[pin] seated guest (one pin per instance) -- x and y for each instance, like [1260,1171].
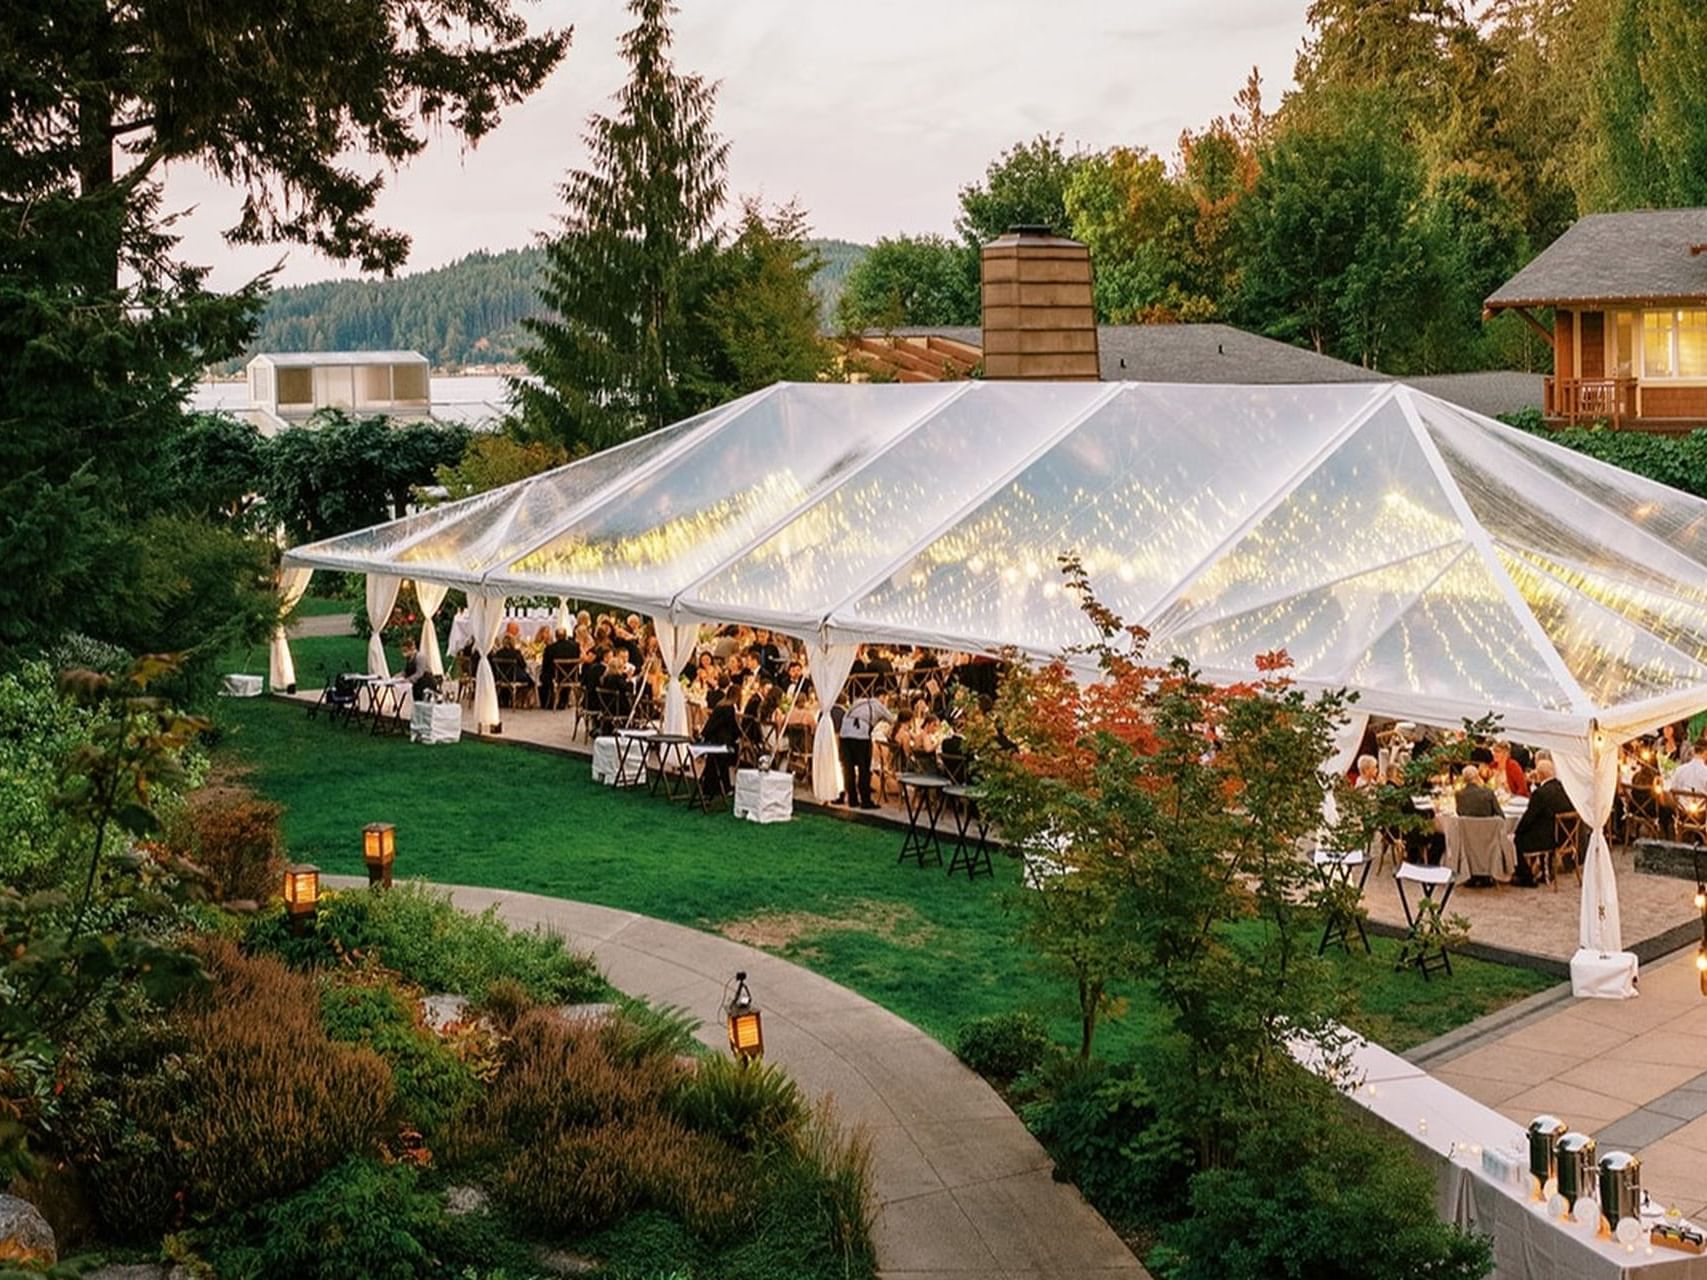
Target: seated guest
[1691,775]
[591,674]
[904,735]
[1508,770]
[724,730]
[618,685]
[510,670]
[799,683]
[561,649]
[770,654]
[1474,799]
[1368,773]
[1535,829]
[415,671]
[1424,842]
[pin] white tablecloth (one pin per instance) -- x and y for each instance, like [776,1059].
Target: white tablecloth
[235,686]
[530,622]
[764,795]
[435,722]
[606,759]
[1435,1118]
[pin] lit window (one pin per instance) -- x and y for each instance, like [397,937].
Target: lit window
[1692,344]
[1624,344]
[1656,344]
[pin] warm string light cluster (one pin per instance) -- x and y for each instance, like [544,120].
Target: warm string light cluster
[1608,655]
[1678,617]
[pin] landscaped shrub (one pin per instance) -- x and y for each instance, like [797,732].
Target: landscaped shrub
[1109,1135]
[1313,1195]
[237,1097]
[432,1085]
[584,1134]
[416,931]
[359,1219]
[1003,1046]
[744,1104]
[233,836]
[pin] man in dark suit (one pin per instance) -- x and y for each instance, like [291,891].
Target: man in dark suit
[1474,799]
[1535,829]
[770,654]
[561,649]
[723,729]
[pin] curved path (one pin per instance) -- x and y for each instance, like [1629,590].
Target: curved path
[963,1191]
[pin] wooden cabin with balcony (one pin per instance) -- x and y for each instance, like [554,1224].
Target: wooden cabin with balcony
[1628,297]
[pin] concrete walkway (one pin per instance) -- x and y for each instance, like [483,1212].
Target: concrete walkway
[963,1191]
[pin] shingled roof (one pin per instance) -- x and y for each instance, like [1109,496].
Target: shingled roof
[1212,353]
[1651,255]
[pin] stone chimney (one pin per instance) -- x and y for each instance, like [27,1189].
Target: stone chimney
[1039,319]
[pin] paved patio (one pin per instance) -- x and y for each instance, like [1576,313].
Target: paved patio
[964,1192]
[1633,1073]
[1541,924]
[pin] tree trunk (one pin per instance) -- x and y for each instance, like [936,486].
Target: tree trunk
[95,179]
[1090,998]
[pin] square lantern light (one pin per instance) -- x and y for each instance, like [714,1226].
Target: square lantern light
[746,1032]
[301,896]
[379,850]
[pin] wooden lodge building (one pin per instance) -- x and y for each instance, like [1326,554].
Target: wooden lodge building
[1628,293]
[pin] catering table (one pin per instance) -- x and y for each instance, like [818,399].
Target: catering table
[1450,1132]
[608,770]
[764,795]
[385,697]
[436,722]
[239,686]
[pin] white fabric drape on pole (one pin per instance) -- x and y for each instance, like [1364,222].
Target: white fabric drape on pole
[382,591]
[673,643]
[1590,778]
[281,667]
[829,668]
[431,595]
[1347,738]
[486,617]
[564,621]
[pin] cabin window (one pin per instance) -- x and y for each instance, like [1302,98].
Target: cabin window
[296,386]
[409,381]
[1692,344]
[376,383]
[1623,344]
[1656,344]
[1674,344]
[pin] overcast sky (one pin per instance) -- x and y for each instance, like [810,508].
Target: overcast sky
[872,114]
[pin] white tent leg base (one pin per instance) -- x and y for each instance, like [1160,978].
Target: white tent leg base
[1598,975]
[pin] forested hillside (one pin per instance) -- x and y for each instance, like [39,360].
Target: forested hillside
[465,313]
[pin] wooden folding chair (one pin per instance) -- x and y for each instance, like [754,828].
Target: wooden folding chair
[1689,817]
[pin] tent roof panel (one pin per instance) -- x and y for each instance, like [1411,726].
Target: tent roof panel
[1139,491]
[1372,501]
[803,570]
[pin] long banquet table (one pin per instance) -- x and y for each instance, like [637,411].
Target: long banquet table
[1442,1125]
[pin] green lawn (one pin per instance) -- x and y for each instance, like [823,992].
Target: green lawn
[322,606]
[824,892]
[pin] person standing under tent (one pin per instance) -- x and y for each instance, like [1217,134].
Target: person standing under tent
[863,715]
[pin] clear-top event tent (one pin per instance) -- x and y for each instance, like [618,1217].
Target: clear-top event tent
[1439,563]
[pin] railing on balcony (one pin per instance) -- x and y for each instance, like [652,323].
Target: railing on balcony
[1575,400]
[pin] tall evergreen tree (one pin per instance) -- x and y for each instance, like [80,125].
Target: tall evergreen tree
[621,352]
